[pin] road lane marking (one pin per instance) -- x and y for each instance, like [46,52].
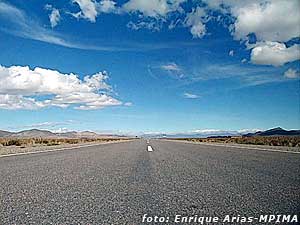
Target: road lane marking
[241,147]
[59,149]
[149,148]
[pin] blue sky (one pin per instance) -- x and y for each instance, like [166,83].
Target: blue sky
[149,66]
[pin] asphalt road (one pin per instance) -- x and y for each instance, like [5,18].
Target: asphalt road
[118,183]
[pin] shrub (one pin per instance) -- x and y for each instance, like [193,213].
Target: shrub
[289,141]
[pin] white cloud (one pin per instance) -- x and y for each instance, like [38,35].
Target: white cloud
[21,88]
[152,14]
[15,21]
[231,53]
[61,130]
[54,16]
[203,132]
[245,75]
[195,20]
[274,53]
[291,73]
[88,9]
[171,67]
[206,131]
[148,8]
[270,21]
[190,95]
[128,104]
[47,124]
[151,25]
[246,131]
[153,8]
[19,24]
[107,6]
[19,102]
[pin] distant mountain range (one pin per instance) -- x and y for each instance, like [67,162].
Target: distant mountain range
[4,133]
[191,134]
[278,131]
[48,134]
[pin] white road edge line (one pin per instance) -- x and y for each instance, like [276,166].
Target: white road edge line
[232,146]
[58,149]
[149,148]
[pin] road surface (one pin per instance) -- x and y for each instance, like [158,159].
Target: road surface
[118,183]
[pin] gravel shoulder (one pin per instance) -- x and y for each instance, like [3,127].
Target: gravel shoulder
[14,150]
[244,146]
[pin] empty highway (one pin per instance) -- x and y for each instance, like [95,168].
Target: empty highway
[118,183]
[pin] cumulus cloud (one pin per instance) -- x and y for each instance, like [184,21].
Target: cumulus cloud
[157,10]
[272,23]
[21,88]
[274,53]
[268,20]
[291,73]
[271,20]
[148,8]
[19,102]
[106,6]
[190,95]
[90,9]
[54,16]
[153,8]
[195,20]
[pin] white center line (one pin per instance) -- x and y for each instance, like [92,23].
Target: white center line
[150,149]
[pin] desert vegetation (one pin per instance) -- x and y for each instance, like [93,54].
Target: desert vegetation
[288,141]
[31,142]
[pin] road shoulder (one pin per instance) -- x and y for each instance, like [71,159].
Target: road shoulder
[44,149]
[283,149]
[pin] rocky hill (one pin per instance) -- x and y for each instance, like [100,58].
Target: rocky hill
[278,131]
